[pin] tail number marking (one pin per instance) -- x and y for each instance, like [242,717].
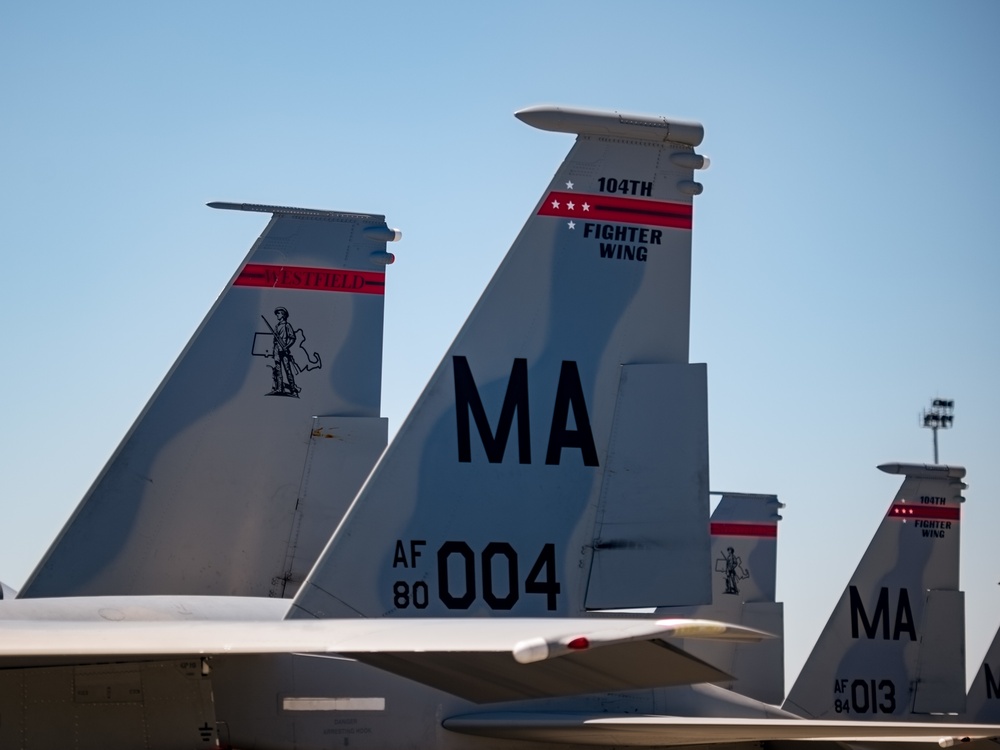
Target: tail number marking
[864,696]
[459,586]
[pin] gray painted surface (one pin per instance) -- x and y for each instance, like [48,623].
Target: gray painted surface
[201,495]
[895,642]
[504,514]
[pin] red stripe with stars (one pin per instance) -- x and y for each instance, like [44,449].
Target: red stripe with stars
[925,512]
[613,208]
[312,279]
[769,530]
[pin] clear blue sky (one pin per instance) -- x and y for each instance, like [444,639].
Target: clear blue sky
[846,263]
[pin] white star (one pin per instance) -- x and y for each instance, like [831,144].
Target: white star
[586,206]
[569,185]
[555,204]
[570,205]
[572,225]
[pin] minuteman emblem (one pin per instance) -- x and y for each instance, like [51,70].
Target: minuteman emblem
[286,346]
[731,567]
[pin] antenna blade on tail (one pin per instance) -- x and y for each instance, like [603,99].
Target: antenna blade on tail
[210,490]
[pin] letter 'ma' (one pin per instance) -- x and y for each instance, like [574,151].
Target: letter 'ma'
[515,400]
[903,619]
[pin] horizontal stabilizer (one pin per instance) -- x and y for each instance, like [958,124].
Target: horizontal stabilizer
[481,660]
[74,609]
[665,731]
[490,677]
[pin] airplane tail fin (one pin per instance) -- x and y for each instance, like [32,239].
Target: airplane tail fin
[983,700]
[557,460]
[237,470]
[895,643]
[744,530]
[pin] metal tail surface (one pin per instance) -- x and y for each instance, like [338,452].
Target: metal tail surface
[895,643]
[744,531]
[557,460]
[239,467]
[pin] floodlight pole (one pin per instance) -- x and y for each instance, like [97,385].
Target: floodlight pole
[941,415]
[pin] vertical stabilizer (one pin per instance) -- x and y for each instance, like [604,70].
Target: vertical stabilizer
[895,643]
[983,702]
[214,489]
[744,530]
[563,438]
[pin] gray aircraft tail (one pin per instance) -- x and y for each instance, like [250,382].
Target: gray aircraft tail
[238,469]
[983,700]
[557,460]
[744,530]
[895,643]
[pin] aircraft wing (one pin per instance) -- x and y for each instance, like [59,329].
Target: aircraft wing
[666,731]
[483,660]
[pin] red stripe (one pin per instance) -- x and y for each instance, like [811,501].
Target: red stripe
[927,512]
[617,209]
[313,279]
[745,529]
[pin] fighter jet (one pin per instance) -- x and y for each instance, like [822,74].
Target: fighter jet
[560,447]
